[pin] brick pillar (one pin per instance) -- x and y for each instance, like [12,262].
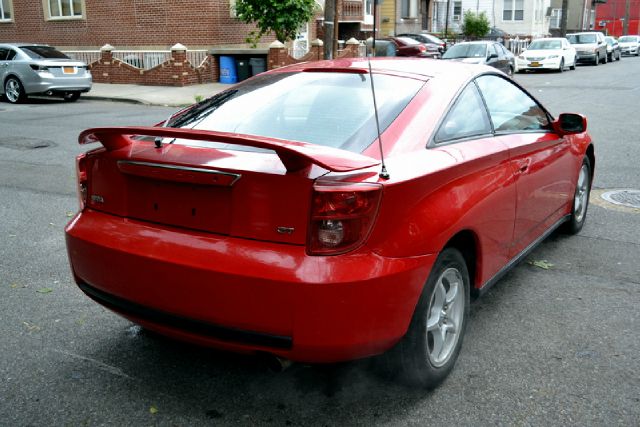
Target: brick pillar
[105,64]
[352,48]
[179,69]
[317,47]
[214,60]
[277,55]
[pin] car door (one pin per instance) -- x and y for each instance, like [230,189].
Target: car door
[482,185]
[539,158]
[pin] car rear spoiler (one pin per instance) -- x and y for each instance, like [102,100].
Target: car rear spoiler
[294,155]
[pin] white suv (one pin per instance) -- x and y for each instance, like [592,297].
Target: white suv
[590,47]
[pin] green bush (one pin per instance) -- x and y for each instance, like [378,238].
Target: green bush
[475,26]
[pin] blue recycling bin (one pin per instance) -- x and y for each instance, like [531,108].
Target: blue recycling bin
[228,72]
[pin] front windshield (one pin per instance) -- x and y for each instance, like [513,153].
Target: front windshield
[43,52]
[609,41]
[545,44]
[581,38]
[330,109]
[466,50]
[627,39]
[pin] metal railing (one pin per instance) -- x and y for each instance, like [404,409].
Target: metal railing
[145,60]
[197,57]
[86,56]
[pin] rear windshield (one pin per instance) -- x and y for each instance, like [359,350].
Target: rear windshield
[330,109]
[581,38]
[43,52]
[466,50]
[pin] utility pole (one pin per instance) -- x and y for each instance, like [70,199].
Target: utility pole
[563,18]
[446,20]
[336,27]
[625,24]
[329,23]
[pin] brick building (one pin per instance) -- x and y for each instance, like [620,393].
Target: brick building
[125,24]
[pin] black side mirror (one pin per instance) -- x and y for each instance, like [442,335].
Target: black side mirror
[492,56]
[570,123]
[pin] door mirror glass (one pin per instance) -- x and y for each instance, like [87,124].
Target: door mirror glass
[570,123]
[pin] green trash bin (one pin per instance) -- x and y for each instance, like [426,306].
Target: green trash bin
[258,65]
[242,67]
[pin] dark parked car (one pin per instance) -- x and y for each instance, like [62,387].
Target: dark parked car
[428,39]
[483,52]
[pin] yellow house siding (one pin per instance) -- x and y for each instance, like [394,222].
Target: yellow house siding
[387,18]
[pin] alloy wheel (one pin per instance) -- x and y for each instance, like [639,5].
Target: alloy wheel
[13,90]
[582,192]
[445,316]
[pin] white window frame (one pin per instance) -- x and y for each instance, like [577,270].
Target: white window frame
[4,11]
[512,10]
[457,17]
[411,7]
[555,20]
[50,17]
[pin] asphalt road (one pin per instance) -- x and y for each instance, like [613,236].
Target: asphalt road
[551,346]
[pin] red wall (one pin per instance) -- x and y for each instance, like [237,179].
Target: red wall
[612,11]
[130,23]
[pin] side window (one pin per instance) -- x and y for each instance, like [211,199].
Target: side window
[3,53]
[511,109]
[10,54]
[466,118]
[494,50]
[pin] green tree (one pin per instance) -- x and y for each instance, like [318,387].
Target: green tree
[475,26]
[283,17]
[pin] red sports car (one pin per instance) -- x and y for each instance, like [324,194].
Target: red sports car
[274,218]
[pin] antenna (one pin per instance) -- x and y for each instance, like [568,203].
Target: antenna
[383,172]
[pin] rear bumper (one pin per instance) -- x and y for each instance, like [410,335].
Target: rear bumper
[59,84]
[243,295]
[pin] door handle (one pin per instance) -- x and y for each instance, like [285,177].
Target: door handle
[523,165]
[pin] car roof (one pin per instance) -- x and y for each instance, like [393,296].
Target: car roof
[19,44]
[549,38]
[419,68]
[478,42]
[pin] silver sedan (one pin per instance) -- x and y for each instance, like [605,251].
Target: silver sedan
[28,69]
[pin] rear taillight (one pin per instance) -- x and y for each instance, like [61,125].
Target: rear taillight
[342,216]
[81,171]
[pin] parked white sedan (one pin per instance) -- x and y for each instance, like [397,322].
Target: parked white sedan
[550,54]
[630,45]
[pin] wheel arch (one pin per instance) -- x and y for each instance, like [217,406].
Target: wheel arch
[590,153]
[467,242]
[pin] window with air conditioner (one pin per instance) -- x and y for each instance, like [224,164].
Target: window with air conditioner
[457,10]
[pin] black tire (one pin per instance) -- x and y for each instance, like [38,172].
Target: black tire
[619,57]
[573,67]
[71,96]
[637,51]
[597,61]
[510,71]
[580,200]
[604,58]
[414,359]
[14,91]
[610,57]
[561,67]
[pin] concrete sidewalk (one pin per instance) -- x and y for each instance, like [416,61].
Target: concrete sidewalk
[154,95]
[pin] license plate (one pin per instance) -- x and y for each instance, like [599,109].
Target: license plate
[535,64]
[69,70]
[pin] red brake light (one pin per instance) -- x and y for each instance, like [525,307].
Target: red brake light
[342,216]
[81,171]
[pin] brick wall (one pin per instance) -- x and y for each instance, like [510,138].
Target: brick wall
[129,24]
[177,71]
